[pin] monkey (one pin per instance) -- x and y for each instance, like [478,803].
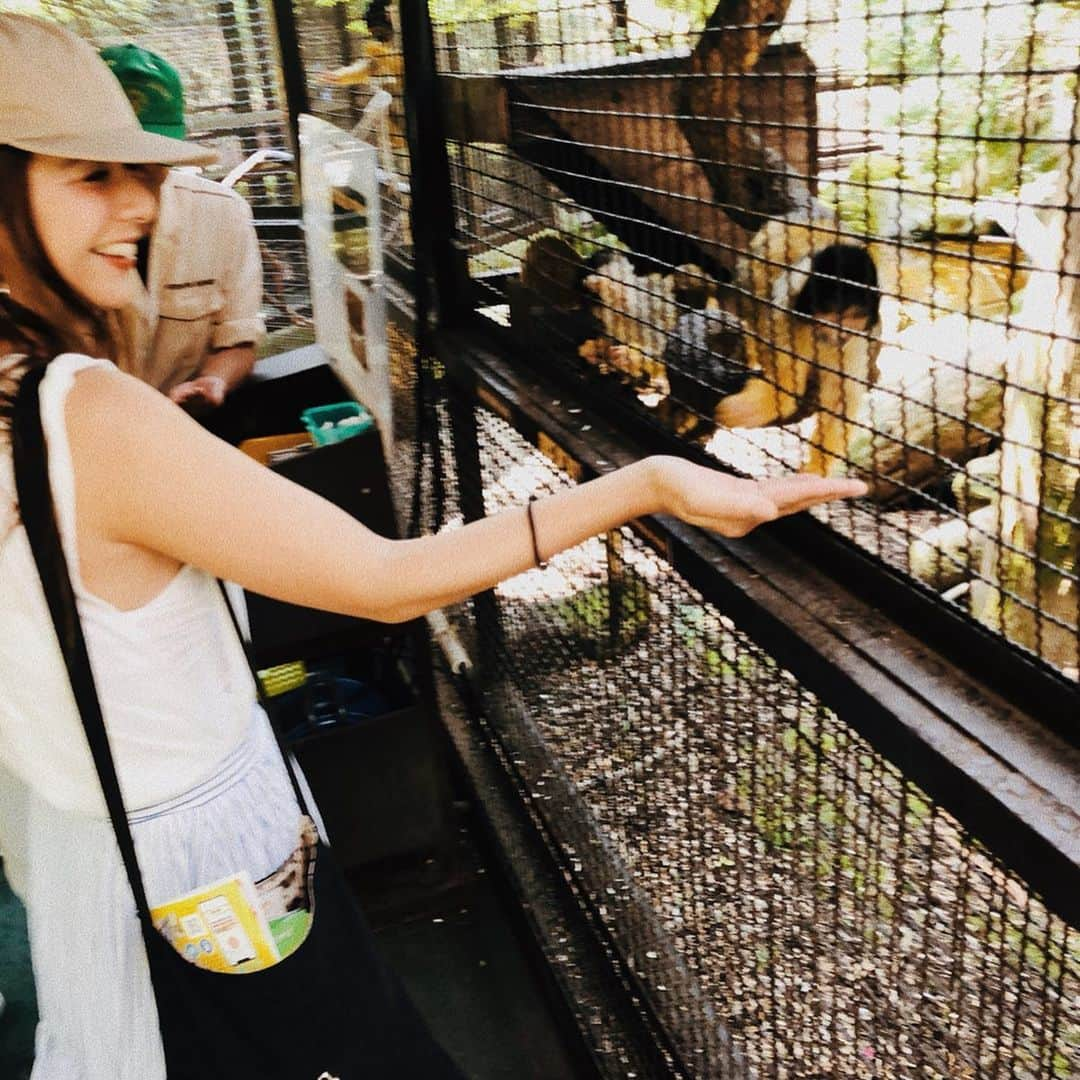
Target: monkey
[636,313]
[704,360]
[811,314]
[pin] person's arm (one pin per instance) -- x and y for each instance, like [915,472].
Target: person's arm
[149,475]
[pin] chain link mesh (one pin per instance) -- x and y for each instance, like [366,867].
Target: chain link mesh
[780,897]
[753,866]
[668,177]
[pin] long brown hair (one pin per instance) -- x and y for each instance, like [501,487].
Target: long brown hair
[54,319]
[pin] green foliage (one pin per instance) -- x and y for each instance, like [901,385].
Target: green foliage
[905,45]
[864,198]
[503,257]
[588,615]
[979,106]
[591,237]
[96,18]
[355,10]
[697,10]
[450,13]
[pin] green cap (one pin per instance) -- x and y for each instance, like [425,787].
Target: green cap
[153,87]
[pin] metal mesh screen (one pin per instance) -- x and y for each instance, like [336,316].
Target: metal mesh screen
[777,897]
[837,237]
[354,69]
[226,54]
[757,867]
[286,297]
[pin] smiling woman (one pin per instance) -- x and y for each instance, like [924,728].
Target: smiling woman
[51,316]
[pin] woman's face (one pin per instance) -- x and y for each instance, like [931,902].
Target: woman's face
[89,216]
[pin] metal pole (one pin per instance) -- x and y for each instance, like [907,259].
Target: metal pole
[432,206]
[292,68]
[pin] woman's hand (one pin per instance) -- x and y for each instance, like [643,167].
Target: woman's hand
[732,506]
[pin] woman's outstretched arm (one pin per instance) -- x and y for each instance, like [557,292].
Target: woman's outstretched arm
[149,476]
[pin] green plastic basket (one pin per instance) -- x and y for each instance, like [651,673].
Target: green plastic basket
[334,423]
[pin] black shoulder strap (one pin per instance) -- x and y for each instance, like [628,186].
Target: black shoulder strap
[38,515]
[265,702]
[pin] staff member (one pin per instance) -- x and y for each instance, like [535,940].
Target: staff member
[195,323]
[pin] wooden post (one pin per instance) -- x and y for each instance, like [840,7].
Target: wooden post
[621,23]
[752,182]
[504,44]
[1026,588]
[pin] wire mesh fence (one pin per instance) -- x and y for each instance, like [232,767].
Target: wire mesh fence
[354,70]
[227,58]
[786,902]
[831,237]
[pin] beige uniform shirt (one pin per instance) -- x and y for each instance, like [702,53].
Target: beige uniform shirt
[204,283]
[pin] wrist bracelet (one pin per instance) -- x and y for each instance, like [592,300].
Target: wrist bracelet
[532,532]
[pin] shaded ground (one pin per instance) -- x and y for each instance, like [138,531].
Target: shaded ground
[756,859]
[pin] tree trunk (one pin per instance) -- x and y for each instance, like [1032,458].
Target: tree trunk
[750,181]
[1028,589]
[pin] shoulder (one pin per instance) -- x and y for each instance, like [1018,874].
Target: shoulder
[100,422]
[62,372]
[186,194]
[118,427]
[101,383]
[106,407]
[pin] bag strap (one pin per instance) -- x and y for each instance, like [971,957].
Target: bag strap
[38,515]
[265,702]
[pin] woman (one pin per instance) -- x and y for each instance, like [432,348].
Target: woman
[150,509]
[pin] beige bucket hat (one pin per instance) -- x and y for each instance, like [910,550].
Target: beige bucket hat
[58,97]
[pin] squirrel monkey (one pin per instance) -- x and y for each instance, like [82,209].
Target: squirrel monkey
[809,343]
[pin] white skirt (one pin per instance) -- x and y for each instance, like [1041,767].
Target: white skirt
[98,1019]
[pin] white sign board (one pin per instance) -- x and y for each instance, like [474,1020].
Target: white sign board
[339,178]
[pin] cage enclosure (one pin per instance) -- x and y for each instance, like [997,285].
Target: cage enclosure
[803,805]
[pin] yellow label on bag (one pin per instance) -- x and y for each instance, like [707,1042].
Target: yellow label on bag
[220,927]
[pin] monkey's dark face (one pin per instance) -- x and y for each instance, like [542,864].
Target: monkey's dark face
[842,279]
[835,328]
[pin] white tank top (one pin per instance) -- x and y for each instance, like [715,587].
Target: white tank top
[175,689]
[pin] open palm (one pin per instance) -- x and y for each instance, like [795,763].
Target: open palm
[732,506]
